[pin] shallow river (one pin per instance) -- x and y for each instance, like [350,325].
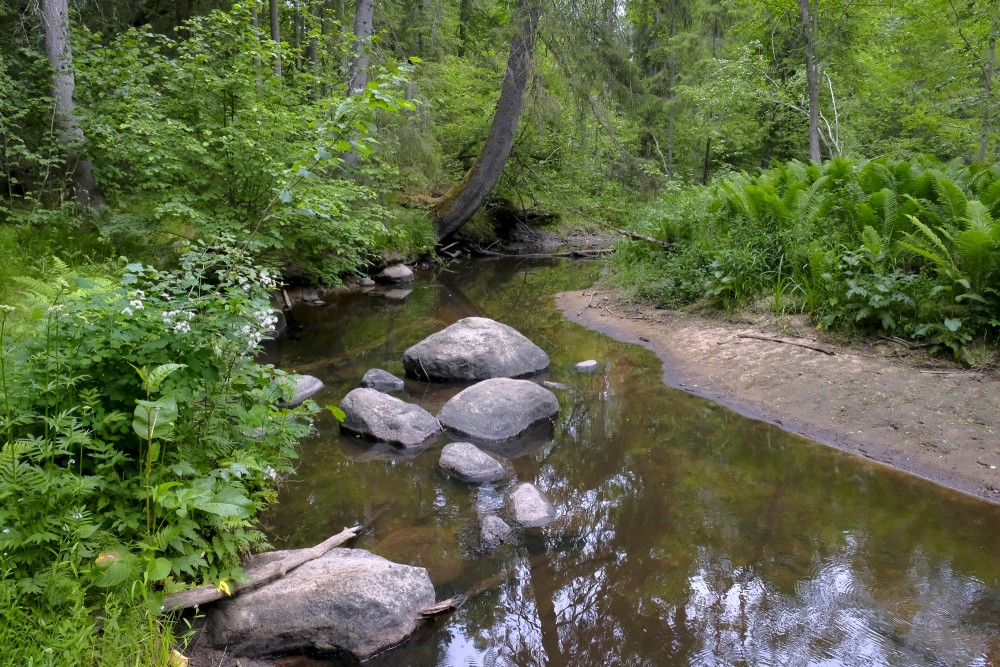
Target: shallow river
[688,535]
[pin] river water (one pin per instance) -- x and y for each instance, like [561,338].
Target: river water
[688,535]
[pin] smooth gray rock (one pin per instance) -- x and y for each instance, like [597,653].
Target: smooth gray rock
[493,532]
[382,381]
[587,366]
[366,282]
[372,414]
[470,464]
[347,600]
[472,349]
[397,274]
[305,386]
[499,409]
[529,506]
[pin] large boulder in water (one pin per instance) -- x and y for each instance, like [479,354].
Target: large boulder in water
[498,410]
[346,600]
[473,349]
[377,416]
[468,463]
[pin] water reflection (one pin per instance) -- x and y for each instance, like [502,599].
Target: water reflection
[687,535]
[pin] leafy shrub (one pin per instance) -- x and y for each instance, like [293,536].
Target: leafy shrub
[908,248]
[136,411]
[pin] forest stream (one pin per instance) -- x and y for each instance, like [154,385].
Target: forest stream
[687,534]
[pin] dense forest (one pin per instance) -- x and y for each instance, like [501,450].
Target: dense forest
[836,158]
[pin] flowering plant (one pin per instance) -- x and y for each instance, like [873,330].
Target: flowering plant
[139,419]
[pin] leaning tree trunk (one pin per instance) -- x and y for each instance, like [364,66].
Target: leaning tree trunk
[812,82]
[55,21]
[460,203]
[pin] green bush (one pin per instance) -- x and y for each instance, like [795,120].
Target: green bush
[140,438]
[907,248]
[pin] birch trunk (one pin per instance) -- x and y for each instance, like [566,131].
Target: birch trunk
[55,22]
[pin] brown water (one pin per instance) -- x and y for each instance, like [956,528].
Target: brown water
[688,535]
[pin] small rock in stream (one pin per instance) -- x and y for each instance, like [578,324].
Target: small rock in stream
[529,506]
[382,381]
[587,366]
[305,386]
[397,274]
[468,463]
[493,532]
[558,386]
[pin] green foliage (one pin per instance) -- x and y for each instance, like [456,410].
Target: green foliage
[905,248]
[136,410]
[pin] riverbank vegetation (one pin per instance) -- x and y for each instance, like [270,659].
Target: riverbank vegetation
[908,249]
[832,159]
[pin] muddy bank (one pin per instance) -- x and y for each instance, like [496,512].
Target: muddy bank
[882,401]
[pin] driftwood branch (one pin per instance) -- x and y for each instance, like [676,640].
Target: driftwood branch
[789,342]
[259,576]
[579,254]
[642,237]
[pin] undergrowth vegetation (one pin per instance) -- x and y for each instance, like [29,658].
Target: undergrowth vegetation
[909,249]
[140,439]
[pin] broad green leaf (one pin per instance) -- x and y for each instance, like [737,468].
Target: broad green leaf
[158,569]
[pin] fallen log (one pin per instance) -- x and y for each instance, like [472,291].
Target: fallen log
[258,576]
[647,239]
[578,254]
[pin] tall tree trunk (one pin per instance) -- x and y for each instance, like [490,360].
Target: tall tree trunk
[984,133]
[255,23]
[55,22]
[464,9]
[276,36]
[460,203]
[297,34]
[671,78]
[812,82]
[357,77]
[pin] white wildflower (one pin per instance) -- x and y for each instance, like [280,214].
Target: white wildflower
[266,280]
[182,327]
[6,530]
[126,311]
[72,461]
[4,308]
[271,472]
[137,304]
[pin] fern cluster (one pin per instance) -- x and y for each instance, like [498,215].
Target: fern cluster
[910,248]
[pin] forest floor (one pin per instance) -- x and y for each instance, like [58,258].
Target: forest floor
[883,399]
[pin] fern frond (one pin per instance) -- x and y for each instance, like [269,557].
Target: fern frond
[951,199]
